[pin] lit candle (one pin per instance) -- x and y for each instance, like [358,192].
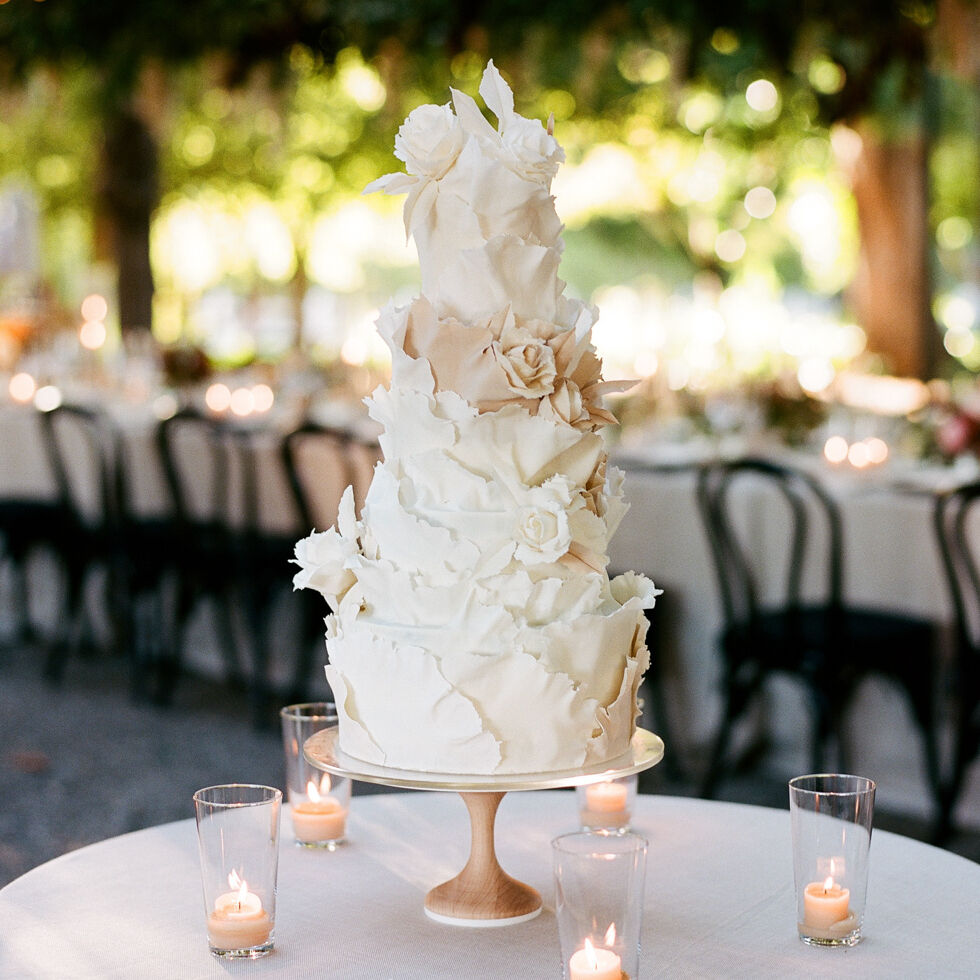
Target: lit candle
[319,818]
[606,805]
[592,963]
[606,797]
[238,920]
[826,910]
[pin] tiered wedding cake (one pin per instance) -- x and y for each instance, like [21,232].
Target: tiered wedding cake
[474,627]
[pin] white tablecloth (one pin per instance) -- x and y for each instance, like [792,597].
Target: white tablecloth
[719,901]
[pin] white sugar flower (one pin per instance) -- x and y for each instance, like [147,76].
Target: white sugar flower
[533,152]
[632,585]
[322,558]
[429,141]
[543,533]
[529,149]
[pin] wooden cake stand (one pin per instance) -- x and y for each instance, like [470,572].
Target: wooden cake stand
[482,894]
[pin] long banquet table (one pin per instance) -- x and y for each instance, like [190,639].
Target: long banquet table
[719,901]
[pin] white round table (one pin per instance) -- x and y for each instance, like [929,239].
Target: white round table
[719,901]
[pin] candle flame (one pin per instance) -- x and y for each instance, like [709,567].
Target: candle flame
[610,937]
[238,884]
[325,784]
[828,883]
[312,792]
[590,955]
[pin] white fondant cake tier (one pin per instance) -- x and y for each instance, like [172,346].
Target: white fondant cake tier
[473,627]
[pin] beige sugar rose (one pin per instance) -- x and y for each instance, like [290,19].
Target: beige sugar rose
[529,367]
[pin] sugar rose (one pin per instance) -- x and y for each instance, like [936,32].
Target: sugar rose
[429,141]
[530,368]
[543,533]
[533,152]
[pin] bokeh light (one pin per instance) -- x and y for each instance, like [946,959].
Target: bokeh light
[94,307]
[762,95]
[47,398]
[760,202]
[835,449]
[22,387]
[92,334]
[218,397]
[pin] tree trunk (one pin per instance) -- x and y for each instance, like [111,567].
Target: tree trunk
[891,292]
[129,193]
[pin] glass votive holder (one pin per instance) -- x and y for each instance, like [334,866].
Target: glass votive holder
[607,805]
[831,817]
[599,882]
[238,837]
[318,801]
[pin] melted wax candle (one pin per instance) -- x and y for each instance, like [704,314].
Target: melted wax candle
[827,911]
[594,963]
[238,920]
[318,818]
[606,805]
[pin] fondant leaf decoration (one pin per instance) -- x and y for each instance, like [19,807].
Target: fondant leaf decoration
[497,95]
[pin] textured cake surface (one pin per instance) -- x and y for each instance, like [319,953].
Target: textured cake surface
[474,628]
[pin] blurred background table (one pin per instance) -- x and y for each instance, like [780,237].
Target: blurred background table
[891,562]
[719,900]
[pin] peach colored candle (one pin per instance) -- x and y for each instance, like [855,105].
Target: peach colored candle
[238,920]
[606,797]
[320,818]
[592,963]
[826,910]
[606,805]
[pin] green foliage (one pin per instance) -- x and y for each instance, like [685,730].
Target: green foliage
[721,38]
[261,106]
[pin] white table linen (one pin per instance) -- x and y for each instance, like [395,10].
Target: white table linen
[719,901]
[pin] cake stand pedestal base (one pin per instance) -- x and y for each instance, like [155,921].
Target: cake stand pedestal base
[482,894]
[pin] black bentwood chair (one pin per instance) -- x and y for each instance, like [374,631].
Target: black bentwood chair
[30,525]
[800,625]
[80,447]
[958,529]
[318,463]
[196,459]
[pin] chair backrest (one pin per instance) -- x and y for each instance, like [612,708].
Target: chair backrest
[737,497]
[318,465]
[81,450]
[196,460]
[957,522]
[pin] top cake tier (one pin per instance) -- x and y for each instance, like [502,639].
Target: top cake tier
[480,207]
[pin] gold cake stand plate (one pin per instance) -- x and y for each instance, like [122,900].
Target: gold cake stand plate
[482,894]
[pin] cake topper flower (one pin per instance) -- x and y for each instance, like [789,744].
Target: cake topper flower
[429,141]
[524,145]
[432,140]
